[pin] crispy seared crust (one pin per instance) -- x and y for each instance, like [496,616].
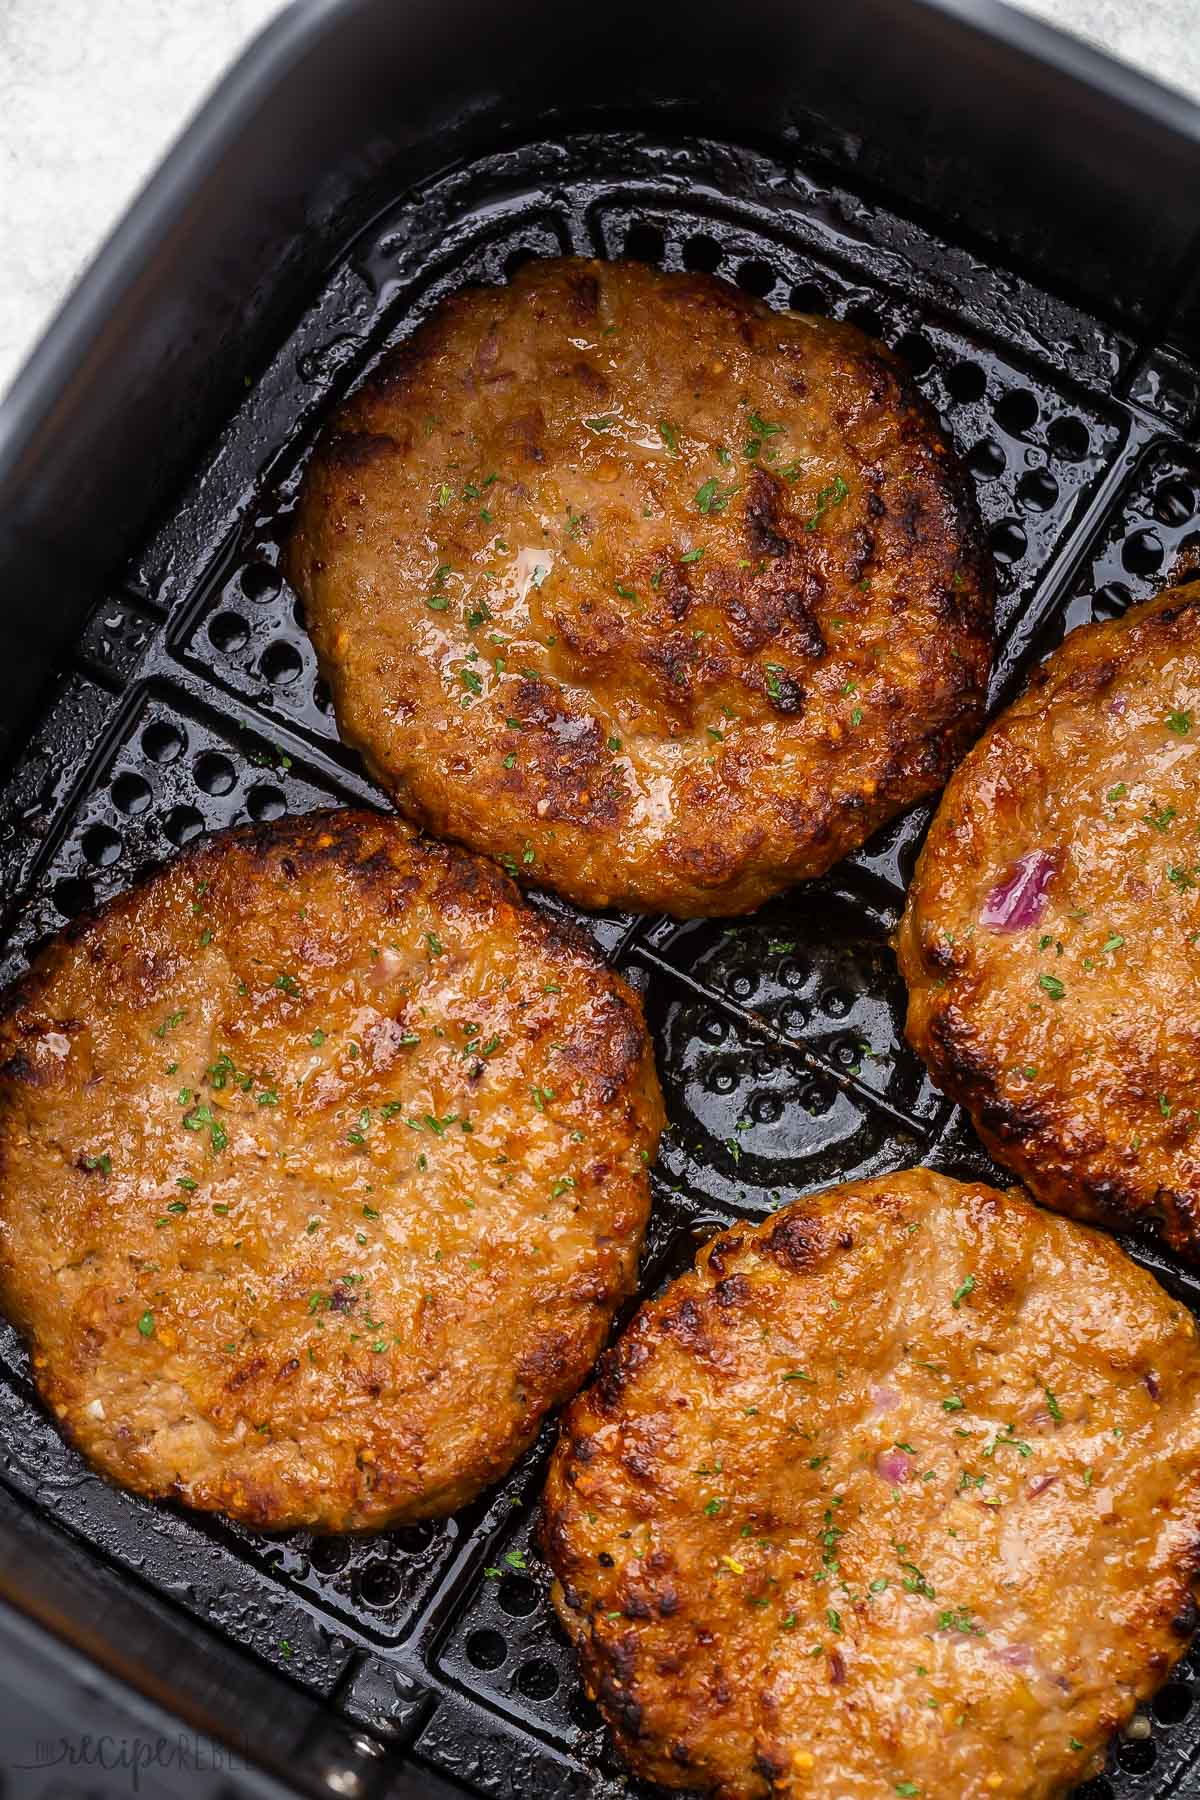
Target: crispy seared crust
[1093,1095]
[895,1492]
[497,546]
[322,1168]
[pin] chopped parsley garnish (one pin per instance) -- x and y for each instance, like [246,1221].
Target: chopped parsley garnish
[830,496]
[287,984]
[601,424]
[961,1292]
[436,947]
[170,1022]
[711,497]
[1114,943]
[470,681]
[1056,1412]
[102,1163]
[669,437]
[760,430]
[692,556]
[959,1619]
[440,1127]
[1050,984]
[914,1580]
[1160,817]
[1117,793]
[1007,1438]
[516,1559]
[1179,722]
[201,1116]
[146,1324]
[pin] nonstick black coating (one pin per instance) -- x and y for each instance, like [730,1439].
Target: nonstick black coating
[193,703]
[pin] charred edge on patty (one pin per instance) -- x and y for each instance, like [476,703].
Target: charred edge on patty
[1024,1133]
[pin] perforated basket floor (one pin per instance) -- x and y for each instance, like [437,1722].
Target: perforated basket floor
[193,703]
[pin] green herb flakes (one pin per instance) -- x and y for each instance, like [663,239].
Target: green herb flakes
[712,498]
[830,496]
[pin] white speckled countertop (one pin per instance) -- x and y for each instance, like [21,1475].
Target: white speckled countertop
[92,92]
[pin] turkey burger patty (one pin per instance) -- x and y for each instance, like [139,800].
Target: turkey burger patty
[662,597]
[1051,941]
[322,1169]
[897,1492]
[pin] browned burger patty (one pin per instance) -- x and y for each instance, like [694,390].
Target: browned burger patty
[322,1168]
[1051,941]
[663,597]
[897,1492]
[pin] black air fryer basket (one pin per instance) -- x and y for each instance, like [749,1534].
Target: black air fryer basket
[1020,219]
